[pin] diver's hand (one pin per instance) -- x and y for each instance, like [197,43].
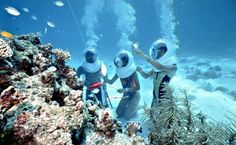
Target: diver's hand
[105,80]
[139,69]
[137,50]
[121,90]
[103,77]
[135,45]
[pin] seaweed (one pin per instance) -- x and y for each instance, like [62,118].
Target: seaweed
[173,122]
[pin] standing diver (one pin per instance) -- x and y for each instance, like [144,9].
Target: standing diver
[163,61]
[126,71]
[91,68]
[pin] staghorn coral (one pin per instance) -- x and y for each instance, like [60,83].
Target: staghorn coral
[61,55]
[5,49]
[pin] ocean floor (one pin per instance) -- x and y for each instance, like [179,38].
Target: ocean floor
[208,81]
[41,101]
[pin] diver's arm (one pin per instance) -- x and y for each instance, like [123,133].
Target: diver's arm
[144,74]
[156,64]
[112,80]
[166,68]
[79,71]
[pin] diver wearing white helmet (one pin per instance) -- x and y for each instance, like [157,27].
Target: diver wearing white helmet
[91,69]
[126,71]
[163,61]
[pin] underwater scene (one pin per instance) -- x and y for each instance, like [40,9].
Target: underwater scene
[117,72]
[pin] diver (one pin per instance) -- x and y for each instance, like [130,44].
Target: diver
[91,68]
[126,71]
[163,61]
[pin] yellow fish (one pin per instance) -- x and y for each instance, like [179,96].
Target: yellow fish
[7,34]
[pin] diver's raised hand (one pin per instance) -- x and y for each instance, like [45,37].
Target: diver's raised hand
[138,51]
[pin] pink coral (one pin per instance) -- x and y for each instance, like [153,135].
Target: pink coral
[10,97]
[80,106]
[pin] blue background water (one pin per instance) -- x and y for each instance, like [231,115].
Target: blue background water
[206,27]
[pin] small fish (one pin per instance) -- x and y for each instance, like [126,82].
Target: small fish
[45,31]
[25,10]
[51,24]
[13,11]
[33,17]
[7,34]
[59,3]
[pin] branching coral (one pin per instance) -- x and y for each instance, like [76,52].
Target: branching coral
[61,55]
[5,49]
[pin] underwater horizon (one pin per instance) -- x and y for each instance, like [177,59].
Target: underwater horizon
[42,44]
[205,28]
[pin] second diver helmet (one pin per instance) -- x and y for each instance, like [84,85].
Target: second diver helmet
[125,65]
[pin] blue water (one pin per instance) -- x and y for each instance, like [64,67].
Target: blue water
[205,28]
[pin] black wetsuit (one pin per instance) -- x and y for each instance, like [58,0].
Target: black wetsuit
[161,91]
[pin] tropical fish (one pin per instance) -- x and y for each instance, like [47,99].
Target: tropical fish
[25,10]
[59,3]
[34,17]
[7,34]
[51,24]
[13,11]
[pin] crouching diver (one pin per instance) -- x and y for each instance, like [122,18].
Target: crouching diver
[91,68]
[163,61]
[126,71]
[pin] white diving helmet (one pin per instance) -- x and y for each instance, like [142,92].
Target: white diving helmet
[91,63]
[169,58]
[125,65]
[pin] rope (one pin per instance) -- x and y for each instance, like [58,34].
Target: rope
[76,21]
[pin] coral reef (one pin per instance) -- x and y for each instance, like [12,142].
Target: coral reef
[41,99]
[5,49]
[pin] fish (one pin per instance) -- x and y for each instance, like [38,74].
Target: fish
[7,34]
[33,17]
[51,24]
[12,11]
[25,10]
[59,3]
[45,31]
